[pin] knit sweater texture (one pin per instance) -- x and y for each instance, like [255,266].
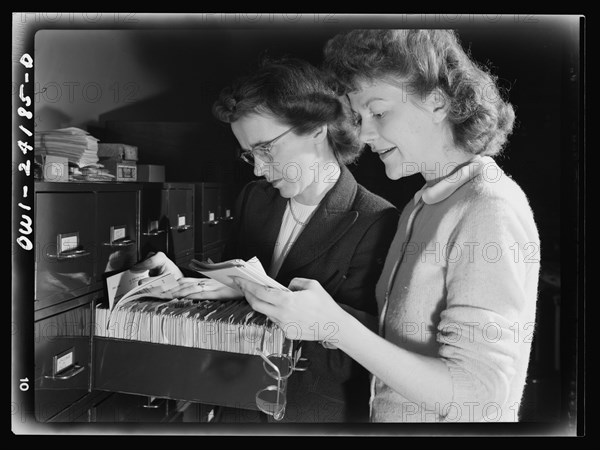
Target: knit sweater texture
[465,291]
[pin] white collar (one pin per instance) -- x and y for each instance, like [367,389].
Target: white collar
[447,186]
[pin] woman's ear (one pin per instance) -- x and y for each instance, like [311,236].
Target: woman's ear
[437,104]
[320,134]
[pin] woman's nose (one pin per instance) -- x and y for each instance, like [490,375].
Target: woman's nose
[367,134]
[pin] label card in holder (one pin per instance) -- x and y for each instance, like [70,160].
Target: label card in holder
[117,232]
[63,360]
[153,226]
[211,216]
[67,242]
[227,213]
[180,220]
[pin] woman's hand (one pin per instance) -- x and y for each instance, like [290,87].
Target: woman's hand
[204,289]
[158,264]
[307,313]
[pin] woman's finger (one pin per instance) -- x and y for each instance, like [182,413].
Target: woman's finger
[263,307]
[192,280]
[208,295]
[214,285]
[186,285]
[259,291]
[301,284]
[184,291]
[192,286]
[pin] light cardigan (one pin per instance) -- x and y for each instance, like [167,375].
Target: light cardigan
[465,291]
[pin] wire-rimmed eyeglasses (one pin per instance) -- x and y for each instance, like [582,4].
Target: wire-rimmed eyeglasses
[272,399]
[263,151]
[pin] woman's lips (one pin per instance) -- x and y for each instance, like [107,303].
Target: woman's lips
[383,154]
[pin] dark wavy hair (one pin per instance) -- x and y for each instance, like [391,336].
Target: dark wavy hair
[425,60]
[296,94]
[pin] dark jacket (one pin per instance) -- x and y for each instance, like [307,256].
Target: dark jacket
[343,246]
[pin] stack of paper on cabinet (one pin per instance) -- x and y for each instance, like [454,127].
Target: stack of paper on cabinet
[75,144]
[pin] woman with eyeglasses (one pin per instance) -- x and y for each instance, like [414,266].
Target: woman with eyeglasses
[307,218]
[457,295]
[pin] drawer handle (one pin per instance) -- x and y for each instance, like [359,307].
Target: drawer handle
[120,243]
[72,254]
[230,218]
[68,374]
[151,405]
[211,222]
[182,228]
[298,368]
[153,233]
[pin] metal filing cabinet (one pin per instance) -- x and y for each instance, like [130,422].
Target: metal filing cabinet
[107,227]
[226,204]
[116,230]
[178,208]
[133,408]
[82,231]
[177,372]
[214,217]
[62,345]
[65,241]
[154,226]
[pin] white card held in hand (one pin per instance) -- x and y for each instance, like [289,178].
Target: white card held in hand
[224,271]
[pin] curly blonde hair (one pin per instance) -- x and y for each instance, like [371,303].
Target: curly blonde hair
[425,60]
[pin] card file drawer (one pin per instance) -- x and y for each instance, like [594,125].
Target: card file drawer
[132,408]
[214,218]
[209,214]
[178,373]
[178,207]
[62,360]
[154,224]
[82,231]
[64,233]
[116,230]
[211,352]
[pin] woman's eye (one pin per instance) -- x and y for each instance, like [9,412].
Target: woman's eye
[378,115]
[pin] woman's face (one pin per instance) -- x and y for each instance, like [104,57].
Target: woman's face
[398,127]
[292,171]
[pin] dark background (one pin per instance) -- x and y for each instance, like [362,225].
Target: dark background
[534,67]
[538,66]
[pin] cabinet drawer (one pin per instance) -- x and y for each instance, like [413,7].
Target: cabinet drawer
[210,202]
[184,259]
[62,360]
[210,215]
[179,373]
[61,219]
[211,233]
[133,408]
[116,231]
[226,203]
[180,214]
[154,224]
[215,254]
